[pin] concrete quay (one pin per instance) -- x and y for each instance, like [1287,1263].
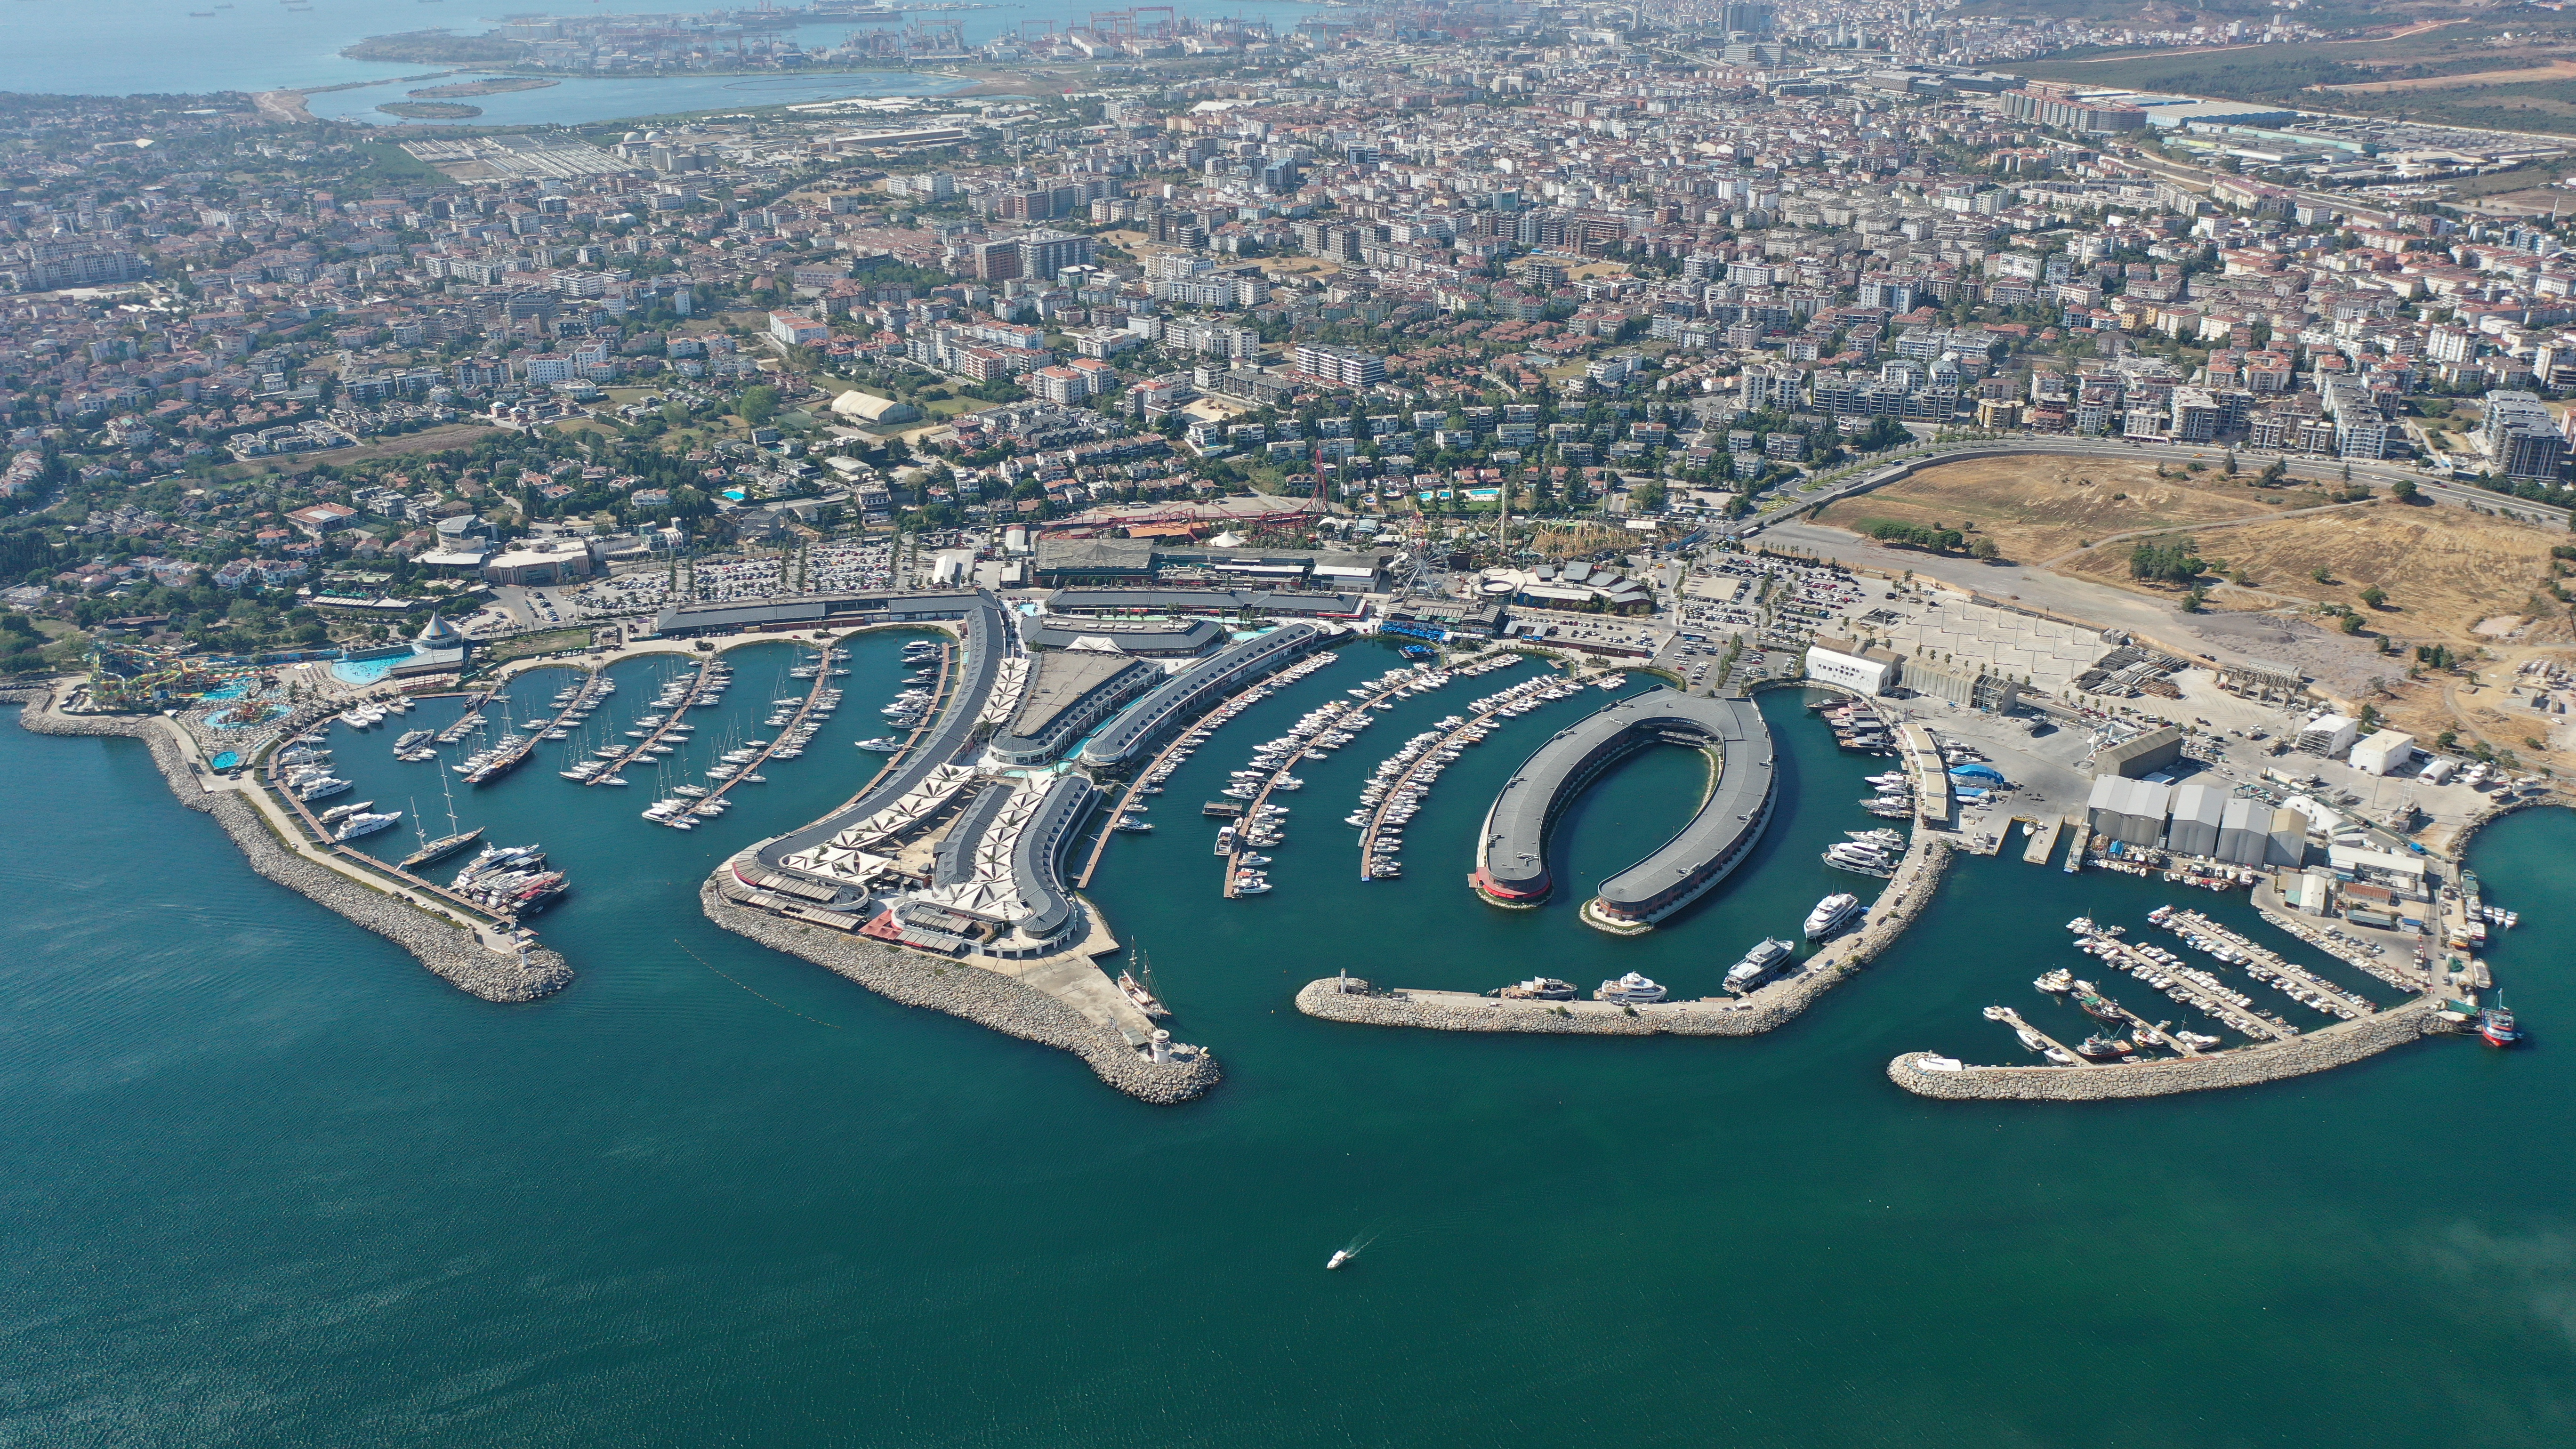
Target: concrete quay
[1762,1009]
[455,953]
[2315,1051]
[986,997]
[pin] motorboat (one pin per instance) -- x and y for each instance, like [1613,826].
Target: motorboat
[1339,1257]
[1759,964]
[1630,990]
[1831,915]
[363,823]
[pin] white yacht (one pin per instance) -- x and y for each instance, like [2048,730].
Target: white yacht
[1832,914]
[363,823]
[1630,990]
[1758,964]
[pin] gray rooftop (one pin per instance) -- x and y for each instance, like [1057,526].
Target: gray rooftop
[1513,851]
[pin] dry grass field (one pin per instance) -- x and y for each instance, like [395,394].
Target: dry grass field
[2038,508]
[2444,570]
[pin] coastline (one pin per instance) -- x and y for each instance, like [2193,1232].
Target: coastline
[2245,1066]
[1764,1009]
[450,952]
[961,989]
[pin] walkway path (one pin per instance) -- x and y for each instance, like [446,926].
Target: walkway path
[677,713]
[813,697]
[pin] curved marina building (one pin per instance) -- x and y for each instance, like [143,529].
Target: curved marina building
[1186,695]
[1511,857]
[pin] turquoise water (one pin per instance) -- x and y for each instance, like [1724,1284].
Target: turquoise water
[226,760]
[122,47]
[366,671]
[273,1184]
[238,689]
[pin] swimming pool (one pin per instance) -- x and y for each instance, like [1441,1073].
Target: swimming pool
[238,689]
[365,671]
[228,760]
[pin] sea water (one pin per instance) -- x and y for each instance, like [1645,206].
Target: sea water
[272,1183]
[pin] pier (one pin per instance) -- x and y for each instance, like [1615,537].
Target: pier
[1159,769]
[495,768]
[318,839]
[2013,1019]
[2205,935]
[2075,850]
[1342,717]
[2043,840]
[678,713]
[2353,953]
[1772,1004]
[2188,985]
[814,696]
[1478,723]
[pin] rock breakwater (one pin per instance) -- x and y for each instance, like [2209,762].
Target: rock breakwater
[1760,1010]
[983,997]
[2245,1066]
[451,952]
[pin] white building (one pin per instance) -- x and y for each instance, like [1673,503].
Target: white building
[1851,671]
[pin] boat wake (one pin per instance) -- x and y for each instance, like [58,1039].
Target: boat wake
[1351,1249]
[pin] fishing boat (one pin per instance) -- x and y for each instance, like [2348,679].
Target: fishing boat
[2100,1047]
[2496,1025]
[2057,982]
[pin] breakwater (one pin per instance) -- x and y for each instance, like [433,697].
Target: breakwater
[454,954]
[2246,1066]
[1765,1007]
[983,997]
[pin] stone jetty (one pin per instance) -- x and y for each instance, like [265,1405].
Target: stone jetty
[963,989]
[1336,999]
[2315,1051]
[455,954]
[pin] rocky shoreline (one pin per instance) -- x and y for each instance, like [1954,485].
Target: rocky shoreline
[986,998]
[2245,1066]
[449,951]
[1765,1009]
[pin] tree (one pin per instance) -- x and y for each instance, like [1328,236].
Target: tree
[2321,574]
[2193,599]
[2403,490]
[2172,563]
[2374,596]
[1984,548]
[758,405]
[2351,624]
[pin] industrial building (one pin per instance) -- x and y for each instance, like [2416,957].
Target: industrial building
[2384,753]
[2199,814]
[2245,833]
[2142,756]
[2327,735]
[2130,811]
[1969,688]
[1873,671]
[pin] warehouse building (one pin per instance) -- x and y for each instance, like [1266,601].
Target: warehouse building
[2199,813]
[2129,811]
[2142,756]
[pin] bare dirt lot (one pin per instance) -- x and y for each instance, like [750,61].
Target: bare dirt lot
[2444,570]
[2037,508]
